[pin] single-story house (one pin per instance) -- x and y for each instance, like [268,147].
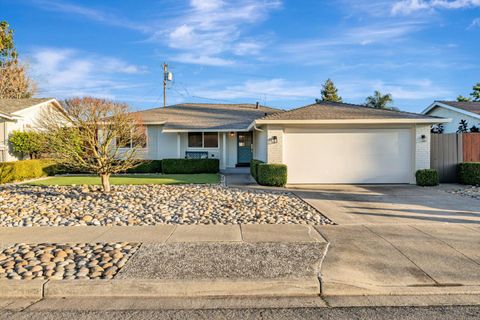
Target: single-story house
[20,114]
[469,111]
[320,143]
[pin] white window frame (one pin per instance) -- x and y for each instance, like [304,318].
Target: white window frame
[203,141]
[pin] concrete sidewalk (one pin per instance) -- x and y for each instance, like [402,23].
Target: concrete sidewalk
[401,260]
[186,261]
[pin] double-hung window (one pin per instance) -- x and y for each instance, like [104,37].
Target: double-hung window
[203,139]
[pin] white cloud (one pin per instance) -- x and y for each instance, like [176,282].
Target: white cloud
[259,89]
[211,29]
[475,24]
[410,6]
[92,14]
[67,72]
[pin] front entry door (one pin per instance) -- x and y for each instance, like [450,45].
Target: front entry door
[244,148]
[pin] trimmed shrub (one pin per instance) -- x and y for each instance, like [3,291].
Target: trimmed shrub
[188,166]
[469,173]
[147,166]
[26,169]
[426,177]
[272,174]
[254,168]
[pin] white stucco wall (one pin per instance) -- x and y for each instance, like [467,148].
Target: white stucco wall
[452,126]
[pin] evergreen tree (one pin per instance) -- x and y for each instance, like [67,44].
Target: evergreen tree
[461,98]
[476,92]
[329,92]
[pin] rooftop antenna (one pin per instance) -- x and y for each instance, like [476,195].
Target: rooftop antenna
[167,76]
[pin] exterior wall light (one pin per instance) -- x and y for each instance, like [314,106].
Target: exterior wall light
[273,139]
[232,134]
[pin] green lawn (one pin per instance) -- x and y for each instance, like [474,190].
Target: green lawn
[129,179]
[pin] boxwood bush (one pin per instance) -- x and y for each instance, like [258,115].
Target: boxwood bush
[26,169]
[427,177]
[189,166]
[274,175]
[469,173]
[254,168]
[147,166]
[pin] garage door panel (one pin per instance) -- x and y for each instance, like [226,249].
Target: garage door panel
[349,156]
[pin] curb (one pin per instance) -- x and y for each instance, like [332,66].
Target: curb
[21,288]
[291,287]
[336,289]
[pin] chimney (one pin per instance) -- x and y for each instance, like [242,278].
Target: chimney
[256,105]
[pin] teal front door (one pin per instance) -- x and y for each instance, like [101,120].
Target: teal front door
[244,148]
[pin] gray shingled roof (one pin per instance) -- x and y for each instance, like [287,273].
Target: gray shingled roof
[198,116]
[9,106]
[340,111]
[467,106]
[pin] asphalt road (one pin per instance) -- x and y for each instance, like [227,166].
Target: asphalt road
[390,313]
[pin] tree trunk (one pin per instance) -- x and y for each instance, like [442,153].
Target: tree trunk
[105,182]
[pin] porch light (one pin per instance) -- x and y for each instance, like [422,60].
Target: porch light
[232,134]
[274,139]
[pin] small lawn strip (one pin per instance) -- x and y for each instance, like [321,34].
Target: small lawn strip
[139,179]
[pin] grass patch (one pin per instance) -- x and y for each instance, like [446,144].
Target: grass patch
[202,178]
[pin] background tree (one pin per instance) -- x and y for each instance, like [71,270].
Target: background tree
[379,100]
[329,92]
[461,98]
[31,143]
[474,128]
[463,126]
[94,135]
[476,92]
[14,80]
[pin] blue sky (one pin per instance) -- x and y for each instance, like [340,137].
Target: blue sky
[277,52]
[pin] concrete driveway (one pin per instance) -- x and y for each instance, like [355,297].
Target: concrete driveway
[390,204]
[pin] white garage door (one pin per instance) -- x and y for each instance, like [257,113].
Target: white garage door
[348,155]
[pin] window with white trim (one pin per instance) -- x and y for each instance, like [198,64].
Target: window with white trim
[203,139]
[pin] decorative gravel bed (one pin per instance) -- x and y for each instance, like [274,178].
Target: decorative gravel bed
[64,261]
[471,192]
[22,205]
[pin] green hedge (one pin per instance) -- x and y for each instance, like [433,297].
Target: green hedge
[147,166]
[426,177]
[272,174]
[254,168]
[26,169]
[188,166]
[469,173]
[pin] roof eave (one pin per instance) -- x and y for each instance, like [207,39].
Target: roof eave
[205,130]
[449,107]
[354,121]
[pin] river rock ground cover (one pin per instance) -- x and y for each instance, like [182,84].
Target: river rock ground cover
[64,261]
[470,192]
[22,205]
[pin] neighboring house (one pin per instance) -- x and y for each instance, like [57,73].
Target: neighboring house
[20,114]
[320,143]
[456,111]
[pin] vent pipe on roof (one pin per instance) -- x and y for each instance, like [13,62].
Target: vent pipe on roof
[256,105]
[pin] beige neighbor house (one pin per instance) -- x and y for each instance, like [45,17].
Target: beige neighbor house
[20,114]
[320,143]
[469,111]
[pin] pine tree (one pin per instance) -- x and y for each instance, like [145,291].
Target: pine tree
[476,92]
[329,92]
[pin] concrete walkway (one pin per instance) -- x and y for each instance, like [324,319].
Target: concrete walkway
[390,204]
[401,259]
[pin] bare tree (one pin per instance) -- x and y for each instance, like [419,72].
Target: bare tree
[94,135]
[15,82]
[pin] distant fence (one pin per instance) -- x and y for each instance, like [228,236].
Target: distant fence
[448,150]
